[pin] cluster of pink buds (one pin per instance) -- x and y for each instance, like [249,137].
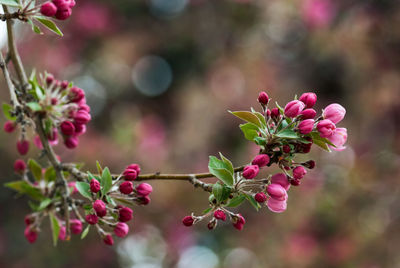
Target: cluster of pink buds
[219,214]
[60,9]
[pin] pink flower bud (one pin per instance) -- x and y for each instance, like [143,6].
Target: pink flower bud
[144,189]
[276,206]
[281,179]
[276,191]
[260,197]
[84,107]
[286,149]
[295,182]
[76,94]
[308,114]
[334,112]
[37,142]
[309,99]
[82,117]
[250,172]
[238,222]
[310,164]
[72,3]
[326,128]
[268,112]
[30,235]
[92,219]
[76,226]
[121,229]
[48,9]
[67,128]
[130,174]
[29,219]
[63,14]
[135,167]
[63,233]
[100,208]
[188,221]
[94,186]
[125,214]
[275,113]
[19,166]
[49,79]
[9,126]
[64,84]
[108,240]
[72,184]
[219,215]
[261,160]
[294,108]
[263,98]
[71,142]
[23,147]
[126,187]
[80,129]
[338,138]
[299,172]
[306,126]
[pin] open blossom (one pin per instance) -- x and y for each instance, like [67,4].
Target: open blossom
[281,179]
[338,138]
[276,205]
[276,191]
[334,112]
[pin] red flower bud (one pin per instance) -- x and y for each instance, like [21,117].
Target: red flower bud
[144,189]
[295,182]
[30,235]
[309,164]
[63,14]
[250,172]
[276,191]
[9,126]
[144,200]
[219,215]
[67,128]
[299,172]
[260,197]
[108,240]
[80,129]
[76,94]
[92,219]
[130,174]
[23,147]
[29,219]
[188,221]
[19,166]
[76,226]
[294,108]
[100,208]
[261,160]
[306,126]
[308,114]
[126,187]
[64,84]
[82,117]
[275,113]
[135,167]
[84,107]
[286,149]
[63,233]
[48,9]
[121,229]
[309,99]
[49,79]
[71,142]
[326,128]
[238,222]
[94,186]
[263,98]
[125,214]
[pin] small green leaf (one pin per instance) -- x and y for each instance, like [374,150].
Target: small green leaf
[11,3]
[35,28]
[236,201]
[84,189]
[321,142]
[34,106]
[85,232]
[99,168]
[249,130]
[217,191]
[50,174]
[23,187]
[49,24]
[260,140]
[248,117]
[55,227]
[220,170]
[253,202]
[207,210]
[227,162]
[281,110]
[7,108]
[35,168]
[287,134]
[106,181]
[43,204]
[261,118]
[110,201]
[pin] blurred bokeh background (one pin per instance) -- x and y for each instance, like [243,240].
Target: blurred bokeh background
[160,76]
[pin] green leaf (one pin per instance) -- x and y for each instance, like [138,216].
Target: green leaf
[7,108]
[84,189]
[236,201]
[35,28]
[260,140]
[23,187]
[35,168]
[110,201]
[34,106]
[248,117]
[287,134]
[321,142]
[207,210]
[99,168]
[220,170]
[253,202]
[249,130]
[49,24]
[85,232]
[43,204]
[281,110]
[50,174]
[217,191]
[11,3]
[106,181]
[55,227]
[261,118]
[227,162]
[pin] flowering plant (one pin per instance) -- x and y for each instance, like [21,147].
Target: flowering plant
[57,110]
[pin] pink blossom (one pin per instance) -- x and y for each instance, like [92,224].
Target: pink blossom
[309,99]
[326,128]
[276,191]
[338,138]
[276,205]
[294,108]
[334,112]
[281,179]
